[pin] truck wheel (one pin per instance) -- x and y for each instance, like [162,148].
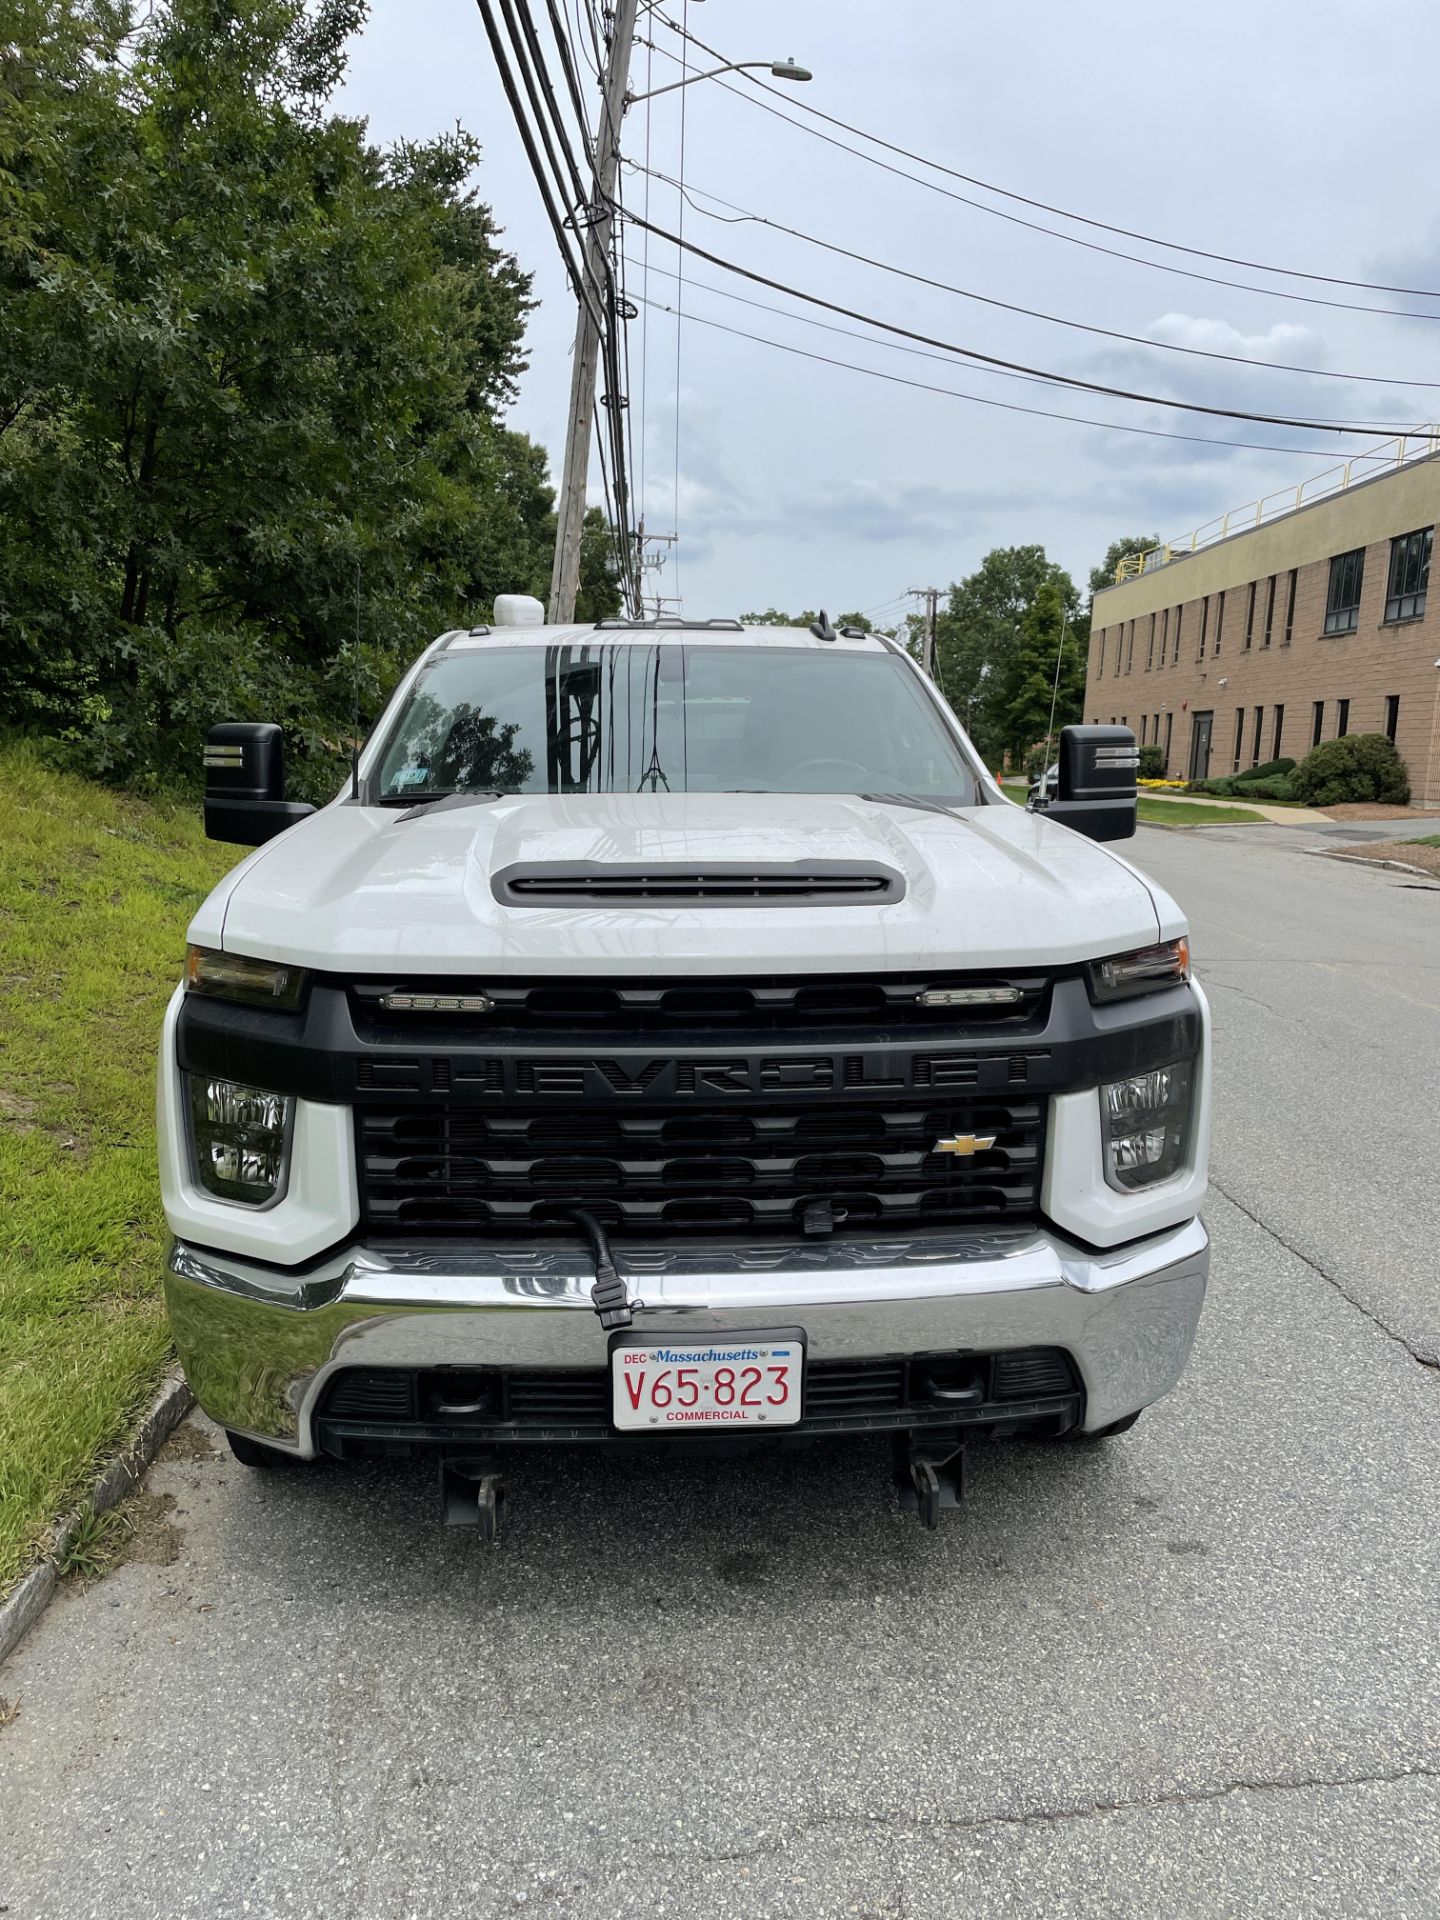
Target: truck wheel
[1109,1433]
[251,1453]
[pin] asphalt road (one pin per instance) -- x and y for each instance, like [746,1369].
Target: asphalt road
[1195,1671]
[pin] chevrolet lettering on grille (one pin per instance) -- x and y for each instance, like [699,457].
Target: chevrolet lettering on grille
[616,1078]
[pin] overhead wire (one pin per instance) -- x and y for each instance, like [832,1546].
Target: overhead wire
[1043,206]
[997,360]
[746,215]
[1036,226]
[1009,406]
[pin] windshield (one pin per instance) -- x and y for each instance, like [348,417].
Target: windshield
[670,718]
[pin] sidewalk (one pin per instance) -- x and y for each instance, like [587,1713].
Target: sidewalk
[1282,816]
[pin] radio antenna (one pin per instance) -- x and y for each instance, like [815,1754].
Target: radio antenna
[355,692]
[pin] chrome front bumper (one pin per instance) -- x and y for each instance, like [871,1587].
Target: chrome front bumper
[259,1344]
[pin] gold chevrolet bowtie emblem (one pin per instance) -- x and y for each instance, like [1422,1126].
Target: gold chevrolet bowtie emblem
[962,1145]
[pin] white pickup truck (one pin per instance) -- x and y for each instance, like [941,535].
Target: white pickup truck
[672,1037]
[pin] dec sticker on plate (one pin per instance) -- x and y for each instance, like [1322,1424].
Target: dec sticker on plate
[667,1384]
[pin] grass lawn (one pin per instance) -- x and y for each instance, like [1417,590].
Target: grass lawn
[1190,813]
[95,893]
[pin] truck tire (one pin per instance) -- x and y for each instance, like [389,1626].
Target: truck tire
[252,1453]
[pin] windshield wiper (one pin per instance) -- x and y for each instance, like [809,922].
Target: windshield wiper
[910,800]
[419,803]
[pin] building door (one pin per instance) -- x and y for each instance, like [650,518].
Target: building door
[1200,746]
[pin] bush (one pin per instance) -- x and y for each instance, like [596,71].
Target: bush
[1036,761]
[1152,764]
[1362,766]
[1278,787]
[1224,786]
[1266,771]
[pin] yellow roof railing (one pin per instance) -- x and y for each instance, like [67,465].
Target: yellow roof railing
[1419,445]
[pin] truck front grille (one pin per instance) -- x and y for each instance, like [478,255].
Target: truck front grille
[442,1170]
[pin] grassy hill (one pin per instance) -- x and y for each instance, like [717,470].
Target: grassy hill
[95,893]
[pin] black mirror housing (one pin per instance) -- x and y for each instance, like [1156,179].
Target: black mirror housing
[1097,795]
[245,800]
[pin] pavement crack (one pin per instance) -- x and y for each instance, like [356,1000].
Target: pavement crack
[770,1845]
[1424,1359]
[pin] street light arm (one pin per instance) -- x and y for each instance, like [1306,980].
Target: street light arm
[783,69]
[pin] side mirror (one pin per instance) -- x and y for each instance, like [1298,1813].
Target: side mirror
[245,784]
[1096,785]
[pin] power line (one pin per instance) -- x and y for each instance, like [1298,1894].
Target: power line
[1043,206]
[1029,313]
[1036,226]
[1014,366]
[1010,406]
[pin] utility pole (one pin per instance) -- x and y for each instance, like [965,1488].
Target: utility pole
[565,576]
[931,597]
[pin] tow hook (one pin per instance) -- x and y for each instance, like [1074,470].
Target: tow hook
[930,1472]
[472,1493]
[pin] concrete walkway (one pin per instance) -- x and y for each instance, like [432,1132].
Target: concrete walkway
[1282,816]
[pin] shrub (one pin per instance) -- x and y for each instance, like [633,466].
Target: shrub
[1277,787]
[1362,766]
[1223,785]
[1152,764]
[1036,761]
[1266,771]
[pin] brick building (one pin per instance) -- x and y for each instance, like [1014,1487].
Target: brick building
[1309,626]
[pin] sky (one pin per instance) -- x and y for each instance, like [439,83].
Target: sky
[1284,133]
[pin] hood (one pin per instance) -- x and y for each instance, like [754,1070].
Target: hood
[361,890]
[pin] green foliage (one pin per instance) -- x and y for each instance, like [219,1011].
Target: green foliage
[1362,766]
[1037,760]
[1265,771]
[1118,550]
[1276,787]
[1152,764]
[95,892]
[251,388]
[990,662]
[772,617]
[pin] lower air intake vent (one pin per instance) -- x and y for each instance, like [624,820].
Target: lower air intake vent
[594,883]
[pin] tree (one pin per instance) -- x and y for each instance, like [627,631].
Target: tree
[1118,550]
[1028,676]
[979,633]
[772,617]
[252,382]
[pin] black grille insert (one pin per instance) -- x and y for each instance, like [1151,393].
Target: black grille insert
[442,1170]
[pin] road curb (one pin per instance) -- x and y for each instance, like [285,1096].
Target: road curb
[23,1607]
[1359,860]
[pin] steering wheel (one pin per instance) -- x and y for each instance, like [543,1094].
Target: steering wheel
[814,766]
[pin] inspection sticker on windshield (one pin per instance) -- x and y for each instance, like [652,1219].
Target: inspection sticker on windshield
[668,1383]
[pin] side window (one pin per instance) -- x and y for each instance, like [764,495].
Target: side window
[1342,603]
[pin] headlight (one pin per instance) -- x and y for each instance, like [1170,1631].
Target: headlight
[241,1140]
[1145,1123]
[1143,971]
[232,976]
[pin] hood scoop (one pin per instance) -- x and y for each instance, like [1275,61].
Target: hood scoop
[603,883]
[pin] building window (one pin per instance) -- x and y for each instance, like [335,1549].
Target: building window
[1255,737]
[1169,723]
[1179,618]
[1164,634]
[1279,730]
[1155,731]
[1130,651]
[1269,611]
[1342,604]
[1342,718]
[1409,575]
[1150,653]
[1219,619]
[1250,616]
[1289,610]
[1392,716]
[1204,624]
[1144,722]
[1239,737]
[1319,726]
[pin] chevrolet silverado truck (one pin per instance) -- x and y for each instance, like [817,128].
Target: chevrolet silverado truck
[672,1037]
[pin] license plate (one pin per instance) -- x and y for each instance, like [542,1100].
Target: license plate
[694,1384]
